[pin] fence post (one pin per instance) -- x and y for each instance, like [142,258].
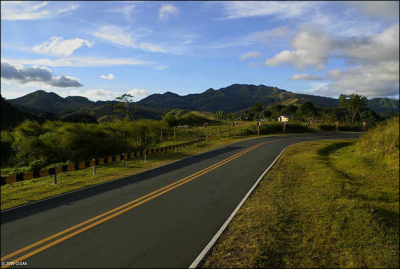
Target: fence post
[55,176]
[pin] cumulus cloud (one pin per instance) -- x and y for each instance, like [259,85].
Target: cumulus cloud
[36,74]
[372,80]
[31,10]
[380,47]
[167,10]
[253,54]
[306,77]
[313,47]
[110,76]
[138,93]
[58,47]
[382,9]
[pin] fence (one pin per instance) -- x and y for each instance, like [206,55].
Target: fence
[82,165]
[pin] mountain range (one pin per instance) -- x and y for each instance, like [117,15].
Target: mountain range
[234,98]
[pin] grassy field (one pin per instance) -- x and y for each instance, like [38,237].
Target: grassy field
[324,204]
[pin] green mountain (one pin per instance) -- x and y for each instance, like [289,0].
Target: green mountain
[234,98]
[238,97]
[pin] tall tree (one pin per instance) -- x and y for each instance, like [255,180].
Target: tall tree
[126,101]
[353,103]
[258,107]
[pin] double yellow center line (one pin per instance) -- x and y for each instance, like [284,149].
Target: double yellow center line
[109,215]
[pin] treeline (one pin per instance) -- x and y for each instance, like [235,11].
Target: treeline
[37,145]
[352,111]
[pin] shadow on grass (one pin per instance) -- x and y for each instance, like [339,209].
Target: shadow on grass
[387,218]
[40,206]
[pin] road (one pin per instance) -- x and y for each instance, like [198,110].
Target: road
[159,218]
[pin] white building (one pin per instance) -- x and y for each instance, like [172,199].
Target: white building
[283,118]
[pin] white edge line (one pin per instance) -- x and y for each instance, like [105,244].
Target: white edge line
[207,249]
[96,185]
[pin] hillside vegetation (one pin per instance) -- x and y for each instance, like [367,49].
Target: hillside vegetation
[324,204]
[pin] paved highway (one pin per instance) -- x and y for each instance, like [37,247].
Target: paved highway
[160,218]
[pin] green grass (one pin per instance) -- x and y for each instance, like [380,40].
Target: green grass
[27,191]
[324,204]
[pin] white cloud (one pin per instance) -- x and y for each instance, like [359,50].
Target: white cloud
[285,10]
[96,94]
[110,76]
[125,10]
[31,10]
[382,9]
[58,47]
[138,94]
[116,35]
[79,61]
[372,80]
[35,74]
[167,10]
[380,47]
[306,77]
[119,36]
[313,48]
[161,67]
[253,54]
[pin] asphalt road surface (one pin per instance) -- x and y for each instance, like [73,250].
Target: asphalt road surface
[160,218]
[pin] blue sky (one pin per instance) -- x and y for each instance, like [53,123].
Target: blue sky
[104,49]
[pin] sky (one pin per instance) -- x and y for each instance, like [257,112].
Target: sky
[104,49]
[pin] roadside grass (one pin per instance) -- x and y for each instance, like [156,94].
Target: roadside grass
[324,204]
[28,191]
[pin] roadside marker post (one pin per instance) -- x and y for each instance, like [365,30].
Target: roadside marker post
[233,126]
[284,127]
[145,155]
[258,128]
[364,126]
[337,126]
[123,159]
[55,176]
[94,167]
[205,126]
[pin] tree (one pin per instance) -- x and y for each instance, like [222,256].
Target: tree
[307,111]
[219,115]
[231,116]
[353,103]
[290,110]
[125,101]
[267,113]
[258,107]
[276,110]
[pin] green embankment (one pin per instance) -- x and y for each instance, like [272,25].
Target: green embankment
[324,204]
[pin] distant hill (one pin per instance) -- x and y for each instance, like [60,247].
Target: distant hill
[11,116]
[237,97]
[234,98]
